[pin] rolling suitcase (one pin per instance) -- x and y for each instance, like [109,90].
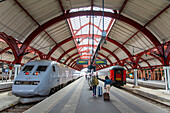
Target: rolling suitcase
[106,96]
[100,91]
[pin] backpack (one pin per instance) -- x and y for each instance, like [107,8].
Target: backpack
[96,81]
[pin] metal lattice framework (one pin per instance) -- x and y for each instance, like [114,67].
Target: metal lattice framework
[120,23]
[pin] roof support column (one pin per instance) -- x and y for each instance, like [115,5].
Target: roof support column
[135,78]
[167,78]
[17,70]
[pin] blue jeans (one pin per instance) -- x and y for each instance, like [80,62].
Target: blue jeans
[94,89]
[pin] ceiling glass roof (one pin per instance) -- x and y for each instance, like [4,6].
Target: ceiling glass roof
[83,28]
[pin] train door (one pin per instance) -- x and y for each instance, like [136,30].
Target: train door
[55,73]
[119,75]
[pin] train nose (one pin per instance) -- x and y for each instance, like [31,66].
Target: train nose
[22,92]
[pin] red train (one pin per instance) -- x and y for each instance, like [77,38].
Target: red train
[116,73]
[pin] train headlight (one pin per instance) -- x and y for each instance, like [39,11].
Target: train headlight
[17,82]
[36,73]
[27,73]
[35,82]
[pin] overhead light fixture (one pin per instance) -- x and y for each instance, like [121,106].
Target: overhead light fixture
[105,41]
[133,50]
[78,41]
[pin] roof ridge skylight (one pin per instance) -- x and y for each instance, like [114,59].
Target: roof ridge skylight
[89,8]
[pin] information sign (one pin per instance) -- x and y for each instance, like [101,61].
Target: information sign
[101,62]
[82,62]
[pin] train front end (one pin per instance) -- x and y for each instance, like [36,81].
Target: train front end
[118,75]
[28,82]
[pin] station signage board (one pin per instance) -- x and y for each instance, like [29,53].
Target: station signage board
[101,62]
[82,62]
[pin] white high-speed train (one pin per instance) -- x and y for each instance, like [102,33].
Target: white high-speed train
[39,78]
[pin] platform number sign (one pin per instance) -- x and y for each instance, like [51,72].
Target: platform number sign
[82,62]
[101,62]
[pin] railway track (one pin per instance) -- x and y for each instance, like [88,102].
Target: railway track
[5,90]
[146,98]
[18,108]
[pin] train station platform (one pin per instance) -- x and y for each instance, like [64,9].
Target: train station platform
[156,84]
[77,98]
[5,84]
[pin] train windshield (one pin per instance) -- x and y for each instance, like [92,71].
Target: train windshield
[41,68]
[28,68]
[119,72]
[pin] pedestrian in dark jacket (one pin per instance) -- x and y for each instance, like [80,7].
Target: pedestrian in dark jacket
[94,83]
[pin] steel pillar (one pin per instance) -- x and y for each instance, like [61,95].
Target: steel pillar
[167,78]
[17,70]
[10,74]
[135,78]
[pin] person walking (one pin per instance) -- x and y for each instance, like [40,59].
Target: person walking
[107,84]
[94,83]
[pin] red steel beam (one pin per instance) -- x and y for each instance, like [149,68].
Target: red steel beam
[105,49]
[124,4]
[66,53]
[87,35]
[12,44]
[167,52]
[87,25]
[36,21]
[123,48]
[33,58]
[58,45]
[120,11]
[70,57]
[96,13]
[61,6]
[99,57]
[160,49]
[146,62]
[112,55]
[106,58]
[4,50]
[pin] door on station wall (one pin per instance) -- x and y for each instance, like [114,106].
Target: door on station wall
[149,75]
[156,75]
[146,74]
[163,75]
[160,74]
[139,74]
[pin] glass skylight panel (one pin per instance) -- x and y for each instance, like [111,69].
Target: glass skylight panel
[89,8]
[95,30]
[85,30]
[83,22]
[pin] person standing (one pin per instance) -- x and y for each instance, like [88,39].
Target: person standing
[107,84]
[94,83]
[97,75]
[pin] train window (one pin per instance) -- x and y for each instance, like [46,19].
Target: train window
[118,72]
[28,68]
[41,68]
[53,68]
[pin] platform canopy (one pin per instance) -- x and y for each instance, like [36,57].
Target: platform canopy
[137,32]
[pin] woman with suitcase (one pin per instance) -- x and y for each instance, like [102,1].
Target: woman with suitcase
[107,84]
[107,87]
